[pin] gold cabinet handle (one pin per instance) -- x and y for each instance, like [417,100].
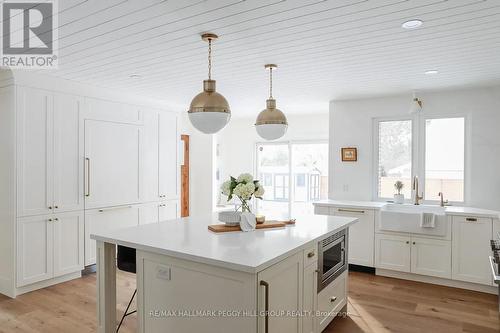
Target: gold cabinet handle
[50,207]
[333,299]
[50,220]
[266,306]
[471,219]
[56,219]
[310,254]
[351,211]
[87,168]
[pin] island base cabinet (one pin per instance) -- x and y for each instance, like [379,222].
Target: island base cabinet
[184,297]
[280,294]
[331,301]
[310,298]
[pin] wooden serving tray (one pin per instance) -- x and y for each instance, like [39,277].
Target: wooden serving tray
[266,225]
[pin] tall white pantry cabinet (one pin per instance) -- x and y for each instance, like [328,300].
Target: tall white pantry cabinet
[73,165]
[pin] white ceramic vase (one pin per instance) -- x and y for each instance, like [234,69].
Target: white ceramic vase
[399,198]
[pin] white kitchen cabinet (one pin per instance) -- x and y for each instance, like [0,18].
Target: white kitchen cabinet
[168,165]
[310,297]
[50,146]
[393,252]
[148,213]
[471,248]
[103,219]
[361,235]
[68,154]
[112,160]
[34,249]
[431,257]
[34,151]
[168,210]
[281,286]
[149,157]
[49,246]
[68,242]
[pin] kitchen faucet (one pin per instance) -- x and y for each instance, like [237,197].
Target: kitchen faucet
[443,202]
[415,188]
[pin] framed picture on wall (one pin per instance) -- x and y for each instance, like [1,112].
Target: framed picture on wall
[349,154]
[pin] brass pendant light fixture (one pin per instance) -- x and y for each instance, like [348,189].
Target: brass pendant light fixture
[271,123]
[209,111]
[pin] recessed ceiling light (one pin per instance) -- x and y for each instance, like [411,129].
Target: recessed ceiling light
[135,76]
[412,24]
[431,72]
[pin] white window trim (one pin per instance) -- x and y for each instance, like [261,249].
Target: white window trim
[418,154]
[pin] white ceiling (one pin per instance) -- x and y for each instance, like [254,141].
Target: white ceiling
[325,49]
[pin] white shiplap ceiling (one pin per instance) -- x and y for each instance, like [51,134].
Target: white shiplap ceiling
[325,49]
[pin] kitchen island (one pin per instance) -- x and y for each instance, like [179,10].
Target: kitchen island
[190,279]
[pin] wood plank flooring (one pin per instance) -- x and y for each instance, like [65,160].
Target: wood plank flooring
[376,304]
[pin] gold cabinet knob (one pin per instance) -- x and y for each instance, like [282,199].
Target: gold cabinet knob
[310,254]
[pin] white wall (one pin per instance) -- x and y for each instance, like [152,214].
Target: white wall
[351,124]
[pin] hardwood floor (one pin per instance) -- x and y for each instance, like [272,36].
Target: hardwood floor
[376,304]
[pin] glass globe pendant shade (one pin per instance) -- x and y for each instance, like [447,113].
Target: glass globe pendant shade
[209,111]
[271,123]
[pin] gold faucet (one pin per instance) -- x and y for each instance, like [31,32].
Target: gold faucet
[443,202]
[415,188]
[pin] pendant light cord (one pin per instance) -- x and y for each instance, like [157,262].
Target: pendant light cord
[210,58]
[270,83]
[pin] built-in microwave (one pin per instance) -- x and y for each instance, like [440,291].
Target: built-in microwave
[332,258]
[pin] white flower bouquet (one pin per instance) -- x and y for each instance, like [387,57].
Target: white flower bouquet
[244,187]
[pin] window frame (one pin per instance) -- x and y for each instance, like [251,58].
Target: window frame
[418,153]
[289,144]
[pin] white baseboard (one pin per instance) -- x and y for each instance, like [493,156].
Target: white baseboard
[438,281]
[47,283]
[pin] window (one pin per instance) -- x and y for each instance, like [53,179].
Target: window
[439,146]
[394,156]
[300,180]
[281,187]
[444,158]
[294,175]
[314,187]
[267,179]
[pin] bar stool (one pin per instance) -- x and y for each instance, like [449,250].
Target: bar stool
[126,261]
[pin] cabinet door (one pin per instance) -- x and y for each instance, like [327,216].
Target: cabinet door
[34,152]
[361,235]
[283,284]
[68,154]
[112,164]
[168,210]
[168,165]
[68,242]
[310,297]
[34,249]
[471,248]
[148,213]
[392,252]
[97,220]
[149,157]
[431,257]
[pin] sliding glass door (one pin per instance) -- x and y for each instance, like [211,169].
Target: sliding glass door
[294,175]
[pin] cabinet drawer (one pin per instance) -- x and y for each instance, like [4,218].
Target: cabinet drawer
[321,210]
[471,219]
[310,255]
[331,300]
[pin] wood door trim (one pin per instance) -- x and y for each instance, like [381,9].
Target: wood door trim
[185,178]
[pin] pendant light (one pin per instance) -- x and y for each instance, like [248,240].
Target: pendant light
[271,123]
[416,105]
[209,111]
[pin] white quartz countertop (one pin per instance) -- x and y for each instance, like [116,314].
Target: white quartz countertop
[450,210]
[189,238]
